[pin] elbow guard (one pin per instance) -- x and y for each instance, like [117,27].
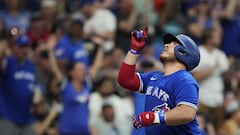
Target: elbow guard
[127,77]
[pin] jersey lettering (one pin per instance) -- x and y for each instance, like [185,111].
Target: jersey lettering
[156,92]
[79,54]
[24,75]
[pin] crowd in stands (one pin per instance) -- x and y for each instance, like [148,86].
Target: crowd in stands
[59,60]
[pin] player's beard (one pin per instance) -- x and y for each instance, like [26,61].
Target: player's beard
[169,58]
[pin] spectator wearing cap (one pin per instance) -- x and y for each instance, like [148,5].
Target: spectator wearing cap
[18,84]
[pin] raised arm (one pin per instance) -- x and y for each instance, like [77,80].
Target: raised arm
[127,77]
[3,48]
[52,59]
[97,63]
[230,9]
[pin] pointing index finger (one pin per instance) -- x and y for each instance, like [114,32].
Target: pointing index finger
[145,31]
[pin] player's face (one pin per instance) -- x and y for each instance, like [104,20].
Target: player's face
[168,52]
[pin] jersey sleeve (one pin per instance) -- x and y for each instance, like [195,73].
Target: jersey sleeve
[144,80]
[187,94]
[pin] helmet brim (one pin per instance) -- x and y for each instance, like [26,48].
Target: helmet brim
[168,38]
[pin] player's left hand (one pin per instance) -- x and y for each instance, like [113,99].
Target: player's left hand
[143,119]
[138,40]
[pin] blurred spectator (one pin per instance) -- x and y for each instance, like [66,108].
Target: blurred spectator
[146,13]
[74,93]
[49,13]
[70,47]
[126,21]
[53,95]
[37,31]
[169,19]
[41,60]
[206,127]
[232,124]
[212,65]
[14,16]
[104,92]
[99,21]
[201,15]
[106,123]
[110,67]
[17,69]
[46,118]
[229,15]
[111,63]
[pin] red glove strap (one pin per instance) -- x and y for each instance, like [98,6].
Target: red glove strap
[147,118]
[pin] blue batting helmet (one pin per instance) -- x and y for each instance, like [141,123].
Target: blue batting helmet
[187,52]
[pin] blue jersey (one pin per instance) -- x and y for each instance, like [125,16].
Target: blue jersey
[18,81]
[71,51]
[166,92]
[74,118]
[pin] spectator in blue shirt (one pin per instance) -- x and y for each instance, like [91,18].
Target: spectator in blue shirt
[74,119]
[70,47]
[18,83]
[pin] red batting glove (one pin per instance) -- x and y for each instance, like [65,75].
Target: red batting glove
[144,119]
[138,40]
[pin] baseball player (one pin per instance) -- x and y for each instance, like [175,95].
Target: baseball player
[172,95]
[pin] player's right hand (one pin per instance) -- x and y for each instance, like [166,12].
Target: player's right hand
[138,40]
[143,119]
